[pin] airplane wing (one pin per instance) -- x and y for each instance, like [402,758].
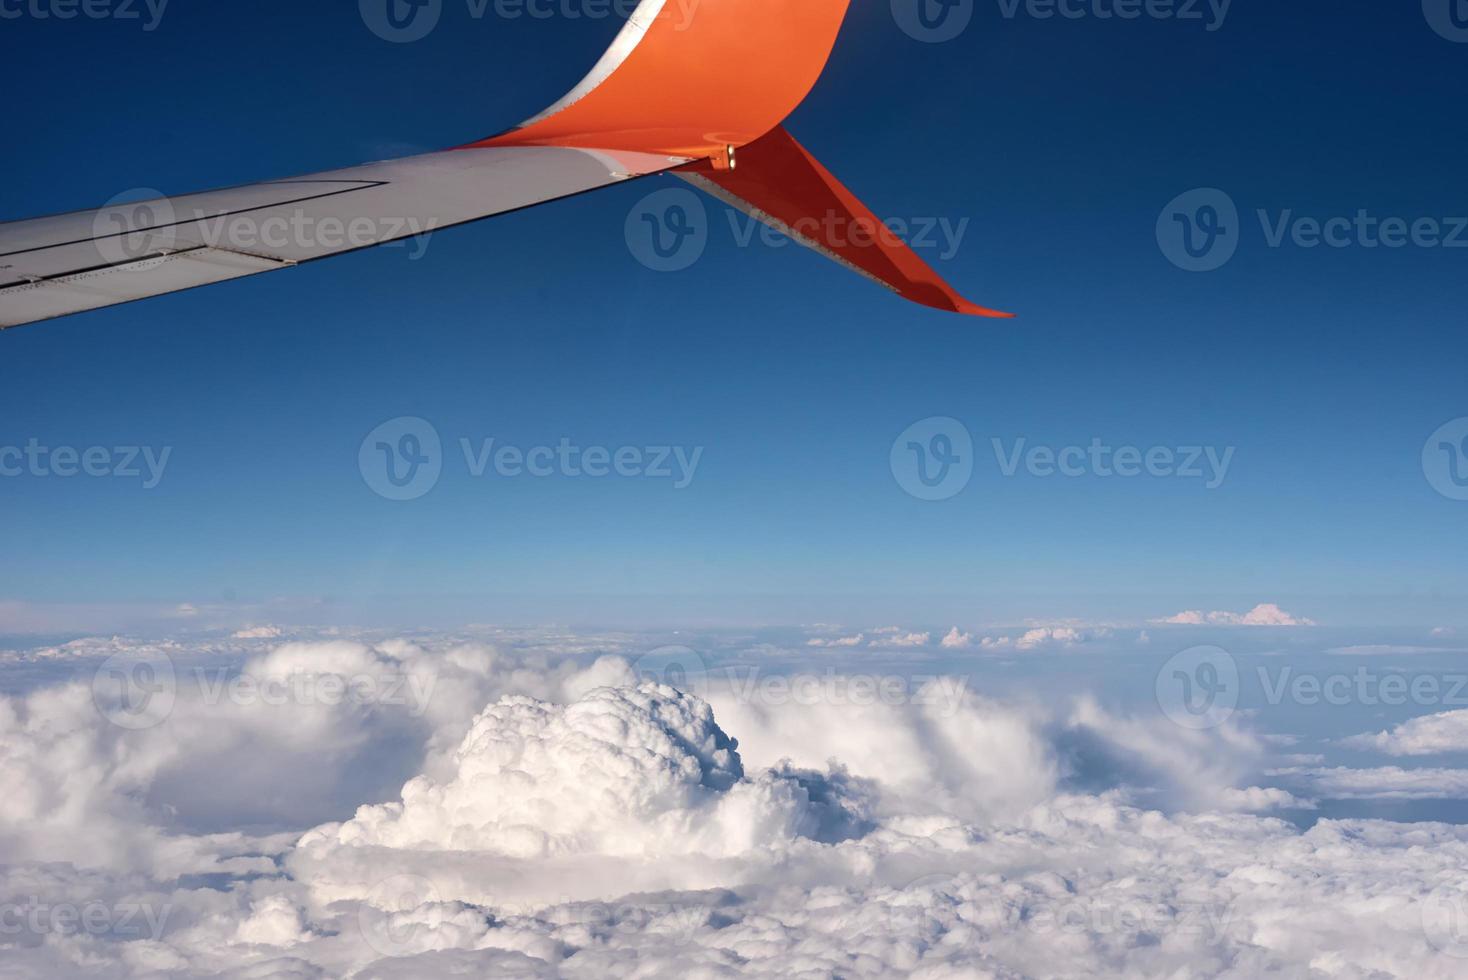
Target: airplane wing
[701,88]
[85,260]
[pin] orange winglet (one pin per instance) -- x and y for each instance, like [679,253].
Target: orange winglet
[692,78]
[708,83]
[779,182]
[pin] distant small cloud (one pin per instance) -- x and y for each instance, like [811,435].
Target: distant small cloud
[1264,614]
[1387,650]
[258,633]
[1256,799]
[957,641]
[900,639]
[840,641]
[1045,636]
[1444,631]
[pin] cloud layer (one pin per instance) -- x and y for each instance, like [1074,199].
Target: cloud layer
[544,813]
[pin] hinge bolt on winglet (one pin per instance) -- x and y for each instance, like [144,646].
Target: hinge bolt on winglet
[725,159]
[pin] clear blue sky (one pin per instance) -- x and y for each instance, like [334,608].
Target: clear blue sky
[1061,141]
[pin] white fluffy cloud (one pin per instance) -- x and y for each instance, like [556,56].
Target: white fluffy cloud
[1264,614]
[621,772]
[1042,637]
[956,640]
[555,817]
[894,637]
[884,637]
[1428,735]
[259,633]
[837,642]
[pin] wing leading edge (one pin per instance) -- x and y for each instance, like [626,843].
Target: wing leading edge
[69,263]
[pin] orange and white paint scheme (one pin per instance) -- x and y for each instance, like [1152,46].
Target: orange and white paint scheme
[698,88]
[692,79]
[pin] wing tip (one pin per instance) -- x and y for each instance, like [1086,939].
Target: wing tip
[939,295]
[973,309]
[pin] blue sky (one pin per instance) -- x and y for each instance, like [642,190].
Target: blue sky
[1324,369]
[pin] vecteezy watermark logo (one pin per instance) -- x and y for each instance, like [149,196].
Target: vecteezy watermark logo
[129,920]
[668,230]
[1448,17]
[135,690]
[1199,688]
[1363,686]
[271,233]
[389,916]
[840,230]
[149,13]
[1209,464]
[404,21]
[933,459]
[401,21]
[679,667]
[1445,921]
[1012,910]
[1211,13]
[933,21]
[943,20]
[144,463]
[1445,460]
[134,225]
[141,224]
[391,689]
[1199,231]
[401,459]
[943,694]
[678,464]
